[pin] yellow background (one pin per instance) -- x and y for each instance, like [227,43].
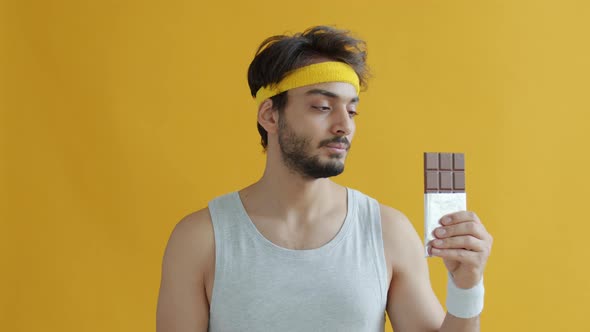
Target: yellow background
[120,117]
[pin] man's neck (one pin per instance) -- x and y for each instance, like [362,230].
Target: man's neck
[290,196]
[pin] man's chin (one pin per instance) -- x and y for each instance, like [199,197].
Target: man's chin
[327,171]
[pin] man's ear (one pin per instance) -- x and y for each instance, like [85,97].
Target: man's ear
[268,117]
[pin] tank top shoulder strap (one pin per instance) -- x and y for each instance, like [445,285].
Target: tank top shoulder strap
[369,222]
[224,211]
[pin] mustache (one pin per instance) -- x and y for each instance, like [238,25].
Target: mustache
[339,140]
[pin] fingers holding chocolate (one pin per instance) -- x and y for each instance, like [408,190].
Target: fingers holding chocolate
[459,217]
[471,228]
[460,242]
[465,257]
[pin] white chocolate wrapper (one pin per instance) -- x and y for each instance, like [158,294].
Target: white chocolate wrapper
[436,205]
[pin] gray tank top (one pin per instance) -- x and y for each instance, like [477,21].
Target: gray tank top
[259,286]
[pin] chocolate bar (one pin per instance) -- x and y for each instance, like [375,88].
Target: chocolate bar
[444,189]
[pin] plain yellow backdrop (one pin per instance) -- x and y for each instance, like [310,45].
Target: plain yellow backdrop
[120,117]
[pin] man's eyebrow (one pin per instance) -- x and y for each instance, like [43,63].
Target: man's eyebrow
[328,94]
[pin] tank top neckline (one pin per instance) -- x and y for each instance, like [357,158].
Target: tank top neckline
[298,253]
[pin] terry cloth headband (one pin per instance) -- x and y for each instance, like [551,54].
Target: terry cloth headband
[330,71]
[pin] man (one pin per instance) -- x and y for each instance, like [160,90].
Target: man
[298,252]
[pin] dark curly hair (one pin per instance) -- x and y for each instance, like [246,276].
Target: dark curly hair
[280,54]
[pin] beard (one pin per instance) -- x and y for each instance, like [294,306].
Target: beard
[295,155]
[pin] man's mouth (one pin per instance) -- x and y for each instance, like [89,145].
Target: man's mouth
[340,146]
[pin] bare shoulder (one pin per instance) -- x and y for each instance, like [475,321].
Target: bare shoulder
[182,302]
[396,226]
[400,240]
[197,223]
[191,245]
[193,237]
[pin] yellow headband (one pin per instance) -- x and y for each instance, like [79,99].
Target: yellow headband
[331,71]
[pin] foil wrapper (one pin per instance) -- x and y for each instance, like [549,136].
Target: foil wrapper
[437,205]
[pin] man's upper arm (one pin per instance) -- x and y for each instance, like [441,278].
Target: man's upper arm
[411,303]
[182,302]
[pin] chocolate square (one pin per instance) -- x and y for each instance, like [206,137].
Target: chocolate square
[431,161]
[446,161]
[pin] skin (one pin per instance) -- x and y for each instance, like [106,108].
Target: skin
[287,205]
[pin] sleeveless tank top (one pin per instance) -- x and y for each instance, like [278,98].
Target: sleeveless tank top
[260,286]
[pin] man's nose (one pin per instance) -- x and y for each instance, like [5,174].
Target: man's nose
[343,124]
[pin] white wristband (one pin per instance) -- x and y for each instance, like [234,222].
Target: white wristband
[464,303]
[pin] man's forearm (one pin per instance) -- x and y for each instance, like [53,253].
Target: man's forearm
[455,324]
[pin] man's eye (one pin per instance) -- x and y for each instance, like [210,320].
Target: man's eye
[352,114]
[322,108]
